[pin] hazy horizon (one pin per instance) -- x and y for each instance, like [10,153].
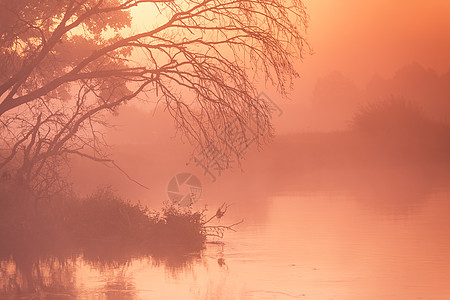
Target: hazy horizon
[137,162]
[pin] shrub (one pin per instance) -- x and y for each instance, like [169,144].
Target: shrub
[389,117]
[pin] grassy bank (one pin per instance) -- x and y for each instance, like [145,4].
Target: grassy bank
[43,240]
[100,225]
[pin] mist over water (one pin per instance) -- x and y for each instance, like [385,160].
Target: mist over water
[349,137]
[349,199]
[356,213]
[342,234]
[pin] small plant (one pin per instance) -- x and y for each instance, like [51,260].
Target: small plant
[218,230]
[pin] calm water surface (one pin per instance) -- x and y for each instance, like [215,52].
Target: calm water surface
[319,246]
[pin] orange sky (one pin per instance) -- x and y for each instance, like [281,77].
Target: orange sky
[360,38]
[364,38]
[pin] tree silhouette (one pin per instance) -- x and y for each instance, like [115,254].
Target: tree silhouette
[66,64]
[422,86]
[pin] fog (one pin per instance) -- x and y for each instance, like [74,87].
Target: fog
[348,199]
[362,52]
[408,112]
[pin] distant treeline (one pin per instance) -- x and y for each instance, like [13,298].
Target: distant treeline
[336,98]
[392,132]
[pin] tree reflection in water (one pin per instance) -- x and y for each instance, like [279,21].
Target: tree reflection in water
[43,248]
[32,276]
[35,275]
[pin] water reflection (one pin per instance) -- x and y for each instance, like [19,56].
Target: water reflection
[354,234]
[328,246]
[28,276]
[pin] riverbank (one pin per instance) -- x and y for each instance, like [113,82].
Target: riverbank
[99,225]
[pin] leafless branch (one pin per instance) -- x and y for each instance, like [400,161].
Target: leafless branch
[65,65]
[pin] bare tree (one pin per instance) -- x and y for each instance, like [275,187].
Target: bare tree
[65,64]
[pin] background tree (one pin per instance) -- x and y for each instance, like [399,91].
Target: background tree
[65,64]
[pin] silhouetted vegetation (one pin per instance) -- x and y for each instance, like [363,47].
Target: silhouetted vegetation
[102,218]
[102,228]
[423,87]
[336,98]
[390,132]
[55,100]
[388,144]
[398,129]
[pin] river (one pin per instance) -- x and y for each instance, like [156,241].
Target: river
[293,244]
[310,246]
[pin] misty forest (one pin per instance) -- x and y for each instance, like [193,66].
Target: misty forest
[219,149]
